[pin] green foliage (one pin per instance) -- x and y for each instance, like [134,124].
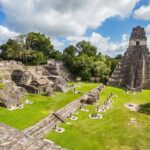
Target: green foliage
[33,48]
[54,54]
[68,55]
[83,61]
[39,42]
[101,69]
[10,50]
[118,57]
[85,47]
[39,58]
[82,66]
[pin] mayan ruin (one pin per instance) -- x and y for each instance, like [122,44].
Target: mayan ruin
[74,75]
[133,71]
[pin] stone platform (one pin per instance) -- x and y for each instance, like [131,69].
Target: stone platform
[12,139]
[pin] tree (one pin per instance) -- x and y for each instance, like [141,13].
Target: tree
[101,69]
[9,54]
[10,50]
[39,42]
[82,66]
[26,56]
[29,48]
[57,55]
[68,55]
[85,47]
[83,61]
[70,50]
[39,58]
[118,56]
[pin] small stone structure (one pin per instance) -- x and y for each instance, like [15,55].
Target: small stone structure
[92,96]
[133,71]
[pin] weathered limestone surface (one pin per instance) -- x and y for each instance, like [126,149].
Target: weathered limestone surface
[34,79]
[12,139]
[10,95]
[133,72]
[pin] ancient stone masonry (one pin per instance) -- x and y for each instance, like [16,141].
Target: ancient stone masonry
[133,71]
[36,79]
[10,95]
[43,79]
[12,139]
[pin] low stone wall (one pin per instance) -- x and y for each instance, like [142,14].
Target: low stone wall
[48,123]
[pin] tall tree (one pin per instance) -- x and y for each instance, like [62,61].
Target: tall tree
[68,55]
[85,47]
[39,42]
[10,50]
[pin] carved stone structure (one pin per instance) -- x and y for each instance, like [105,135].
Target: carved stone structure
[12,139]
[10,95]
[133,71]
[43,79]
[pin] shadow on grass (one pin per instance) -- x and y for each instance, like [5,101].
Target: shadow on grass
[144,108]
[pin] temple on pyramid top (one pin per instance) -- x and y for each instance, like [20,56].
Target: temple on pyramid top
[138,37]
[133,71]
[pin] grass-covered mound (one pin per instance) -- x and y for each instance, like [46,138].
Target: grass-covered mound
[114,131]
[41,107]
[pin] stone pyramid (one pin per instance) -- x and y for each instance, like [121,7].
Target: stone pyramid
[133,71]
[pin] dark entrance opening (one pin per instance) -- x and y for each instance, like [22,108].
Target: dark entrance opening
[137,42]
[3,105]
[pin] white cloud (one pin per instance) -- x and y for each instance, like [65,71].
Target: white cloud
[62,17]
[147,29]
[142,13]
[58,45]
[5,34]
[103,44]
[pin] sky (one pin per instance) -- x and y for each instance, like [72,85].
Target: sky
[107,24]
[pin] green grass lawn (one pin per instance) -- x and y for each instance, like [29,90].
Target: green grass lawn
[41,107]
[112,132]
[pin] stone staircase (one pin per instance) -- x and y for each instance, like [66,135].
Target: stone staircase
[42,127]
[47,124]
